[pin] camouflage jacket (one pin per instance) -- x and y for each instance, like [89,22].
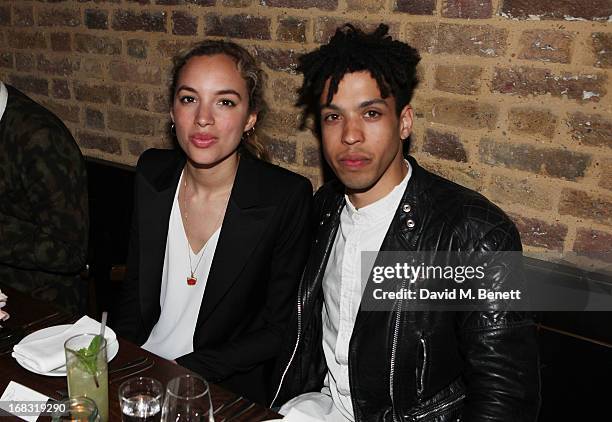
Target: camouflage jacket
[43,202]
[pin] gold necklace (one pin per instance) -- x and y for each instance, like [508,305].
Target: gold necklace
[192,279]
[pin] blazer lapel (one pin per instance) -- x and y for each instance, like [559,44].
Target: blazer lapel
[244,223]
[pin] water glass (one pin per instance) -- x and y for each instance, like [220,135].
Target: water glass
[140,399]
[87,373]
[187,400]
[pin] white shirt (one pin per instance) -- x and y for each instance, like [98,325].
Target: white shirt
[343,284]
[3,99]
[172,336]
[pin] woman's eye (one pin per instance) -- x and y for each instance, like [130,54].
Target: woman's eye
[330,117]
[186,99]
[227,103]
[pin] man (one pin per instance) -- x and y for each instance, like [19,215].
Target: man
[43,212]
[345,362]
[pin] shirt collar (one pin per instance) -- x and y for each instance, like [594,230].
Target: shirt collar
[3,98]
[384,205]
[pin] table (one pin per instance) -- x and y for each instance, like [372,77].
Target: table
[24,309]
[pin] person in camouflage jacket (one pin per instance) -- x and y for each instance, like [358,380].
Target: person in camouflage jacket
[44,219]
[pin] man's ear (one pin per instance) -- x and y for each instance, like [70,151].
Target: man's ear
[406,118]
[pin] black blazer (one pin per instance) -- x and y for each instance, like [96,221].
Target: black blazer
[254,275]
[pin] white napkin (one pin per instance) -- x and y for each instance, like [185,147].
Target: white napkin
[296,415]
[3,315]
[47,354]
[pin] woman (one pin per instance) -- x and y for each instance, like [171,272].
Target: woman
[219,237]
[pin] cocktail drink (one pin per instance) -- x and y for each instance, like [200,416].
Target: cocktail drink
[87,371]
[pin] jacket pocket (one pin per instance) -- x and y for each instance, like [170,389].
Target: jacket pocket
[421,366]
[444,406]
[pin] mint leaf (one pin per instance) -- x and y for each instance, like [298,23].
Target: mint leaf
[88,357]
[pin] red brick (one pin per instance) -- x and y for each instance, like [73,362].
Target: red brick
[527,120]
[184,23]
[463,113]
[325,28]
[136,123]
[546,46]
[59,17]
[135,72]
[467,9]
[526,81]
[6,60]
[469,177]
[275,59]
[280,150]
[444,145]
[96,19]
[25,62]
[5,15]
[458,79]
[591,129]
[61,41]
[180,2]
[473,40]
[92,67]
[136,98]
[416,7]
[169,48]
[602,48]
[94,118]
[285,123]
[60,89]
[30,84]
[584,205]
[23,15]
[283,90]
[86,43]
[291,29]
[66,112]
[551,162]
[137,48]
[512,191]
[97,93]
[594,244]
[605,180]
[27,40]
[58,66]
[559,9]
[160,103]
[312,157]
[538,233]
[371,6]
[92,140]
[128,20]
[238,26]
[303,4]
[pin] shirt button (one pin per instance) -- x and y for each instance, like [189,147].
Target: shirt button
[406,208]
[410,223]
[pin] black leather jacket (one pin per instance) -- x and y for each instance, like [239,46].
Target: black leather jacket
[427,365]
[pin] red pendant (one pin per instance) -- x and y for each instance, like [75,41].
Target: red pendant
[191,281]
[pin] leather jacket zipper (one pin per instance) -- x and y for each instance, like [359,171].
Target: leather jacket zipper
[393,353]
[297,342]
[421,376]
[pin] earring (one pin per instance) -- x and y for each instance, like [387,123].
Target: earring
[173,129]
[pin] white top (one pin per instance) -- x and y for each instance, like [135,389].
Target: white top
[172,336]
[343,284]
[3,99]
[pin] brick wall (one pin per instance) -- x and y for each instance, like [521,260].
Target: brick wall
[515,100]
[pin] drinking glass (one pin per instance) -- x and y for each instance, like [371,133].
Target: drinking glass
[87,372]
[77,409]
[187,400]
[140,399]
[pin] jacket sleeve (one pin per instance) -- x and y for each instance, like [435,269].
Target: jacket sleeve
[51,235]
[285,268]
[127,321]
[499,346]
